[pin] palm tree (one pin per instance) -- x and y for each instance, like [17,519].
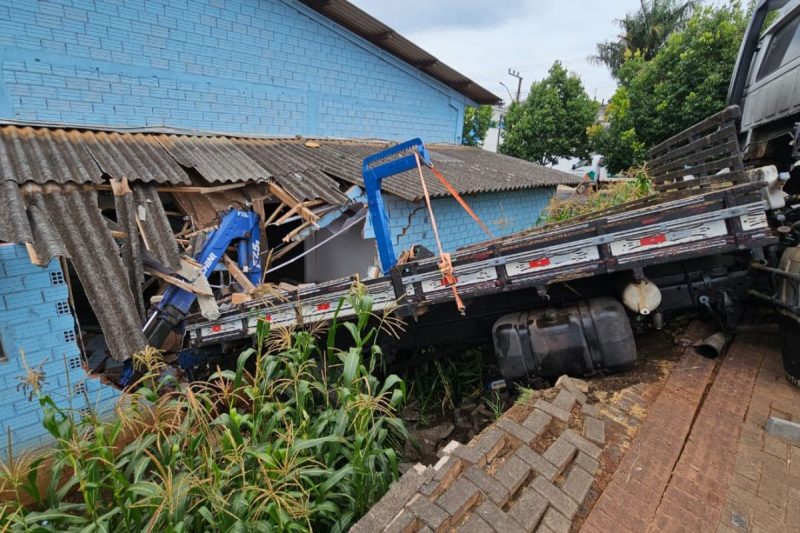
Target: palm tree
[645,31]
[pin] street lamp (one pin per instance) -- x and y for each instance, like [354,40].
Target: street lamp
[510,97]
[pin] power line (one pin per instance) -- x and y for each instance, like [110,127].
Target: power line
[538,65]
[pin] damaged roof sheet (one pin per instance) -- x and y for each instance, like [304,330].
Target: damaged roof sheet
[306,168]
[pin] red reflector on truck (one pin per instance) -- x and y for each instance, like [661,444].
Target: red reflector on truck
[653,239]
[539,263]
[323,307]
[216,328]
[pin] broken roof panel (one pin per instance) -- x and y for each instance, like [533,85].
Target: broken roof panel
[306,168]
[217,159]
[133,156]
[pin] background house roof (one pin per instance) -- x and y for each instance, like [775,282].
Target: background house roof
[361,23]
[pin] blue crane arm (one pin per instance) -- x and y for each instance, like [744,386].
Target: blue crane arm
[376,168]
[237,227]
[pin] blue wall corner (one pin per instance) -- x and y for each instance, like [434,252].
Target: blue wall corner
[36,320]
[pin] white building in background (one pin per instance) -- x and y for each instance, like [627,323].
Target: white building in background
[492,140]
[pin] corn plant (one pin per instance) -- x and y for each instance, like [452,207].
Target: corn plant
[300,435]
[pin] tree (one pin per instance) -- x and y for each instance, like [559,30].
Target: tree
[477,121]
[552,121]
[644,31]
[685,82]
[618,142]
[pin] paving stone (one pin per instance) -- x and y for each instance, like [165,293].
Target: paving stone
[528,509]
[590,410]
[516,430]
[594,430]
[555,496]
[582,444]
[396,498]
[565,400]
[577,483]
[513,473]
[458,499]
[467,453]
[445,471]
[430,514]
[578,388]
[587,463]
[557,522]
[539,464]
[553,410]
[496,517]
[493,489]
[560,452]
[537,422]
[476,524]
[490,443]
[405,522]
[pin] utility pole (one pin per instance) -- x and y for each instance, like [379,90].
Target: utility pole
[516,74]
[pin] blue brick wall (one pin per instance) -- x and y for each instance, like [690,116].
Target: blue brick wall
[35,317]
[235,66]
[503,212]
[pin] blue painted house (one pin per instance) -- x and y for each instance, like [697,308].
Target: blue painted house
[94,91]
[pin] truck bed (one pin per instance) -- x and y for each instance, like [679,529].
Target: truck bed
[660,229]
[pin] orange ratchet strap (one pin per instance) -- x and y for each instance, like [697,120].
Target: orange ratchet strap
[461,201]
[445,263]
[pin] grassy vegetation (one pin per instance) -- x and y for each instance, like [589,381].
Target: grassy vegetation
[613,195]
[304,440]
[439,386]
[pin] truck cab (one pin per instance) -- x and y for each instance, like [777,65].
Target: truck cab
[764,85]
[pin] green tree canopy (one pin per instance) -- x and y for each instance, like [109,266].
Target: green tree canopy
[477,121]
[644,31]
[685,82]
[552,121]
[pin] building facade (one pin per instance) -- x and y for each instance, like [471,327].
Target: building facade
[267,67]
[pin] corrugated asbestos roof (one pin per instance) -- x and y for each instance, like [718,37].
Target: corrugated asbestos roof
[469,170]
[304,167]
[382,36]
[72,217]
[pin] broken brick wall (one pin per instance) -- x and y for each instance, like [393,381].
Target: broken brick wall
[36,318]
[503,212]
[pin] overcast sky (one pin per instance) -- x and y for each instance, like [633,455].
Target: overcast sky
[483,38]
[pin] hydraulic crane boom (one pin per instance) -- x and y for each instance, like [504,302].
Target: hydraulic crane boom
[237,227]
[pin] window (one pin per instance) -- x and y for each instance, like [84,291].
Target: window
[783,47]
[3,356]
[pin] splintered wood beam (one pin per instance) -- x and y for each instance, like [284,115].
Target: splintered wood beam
[290,200]
[285,250]
[172,280]
[275,214]
[238,275]
[289,236]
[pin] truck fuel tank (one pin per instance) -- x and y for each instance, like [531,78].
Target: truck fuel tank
[578,340]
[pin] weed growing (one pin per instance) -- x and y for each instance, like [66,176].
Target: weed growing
[618,193]
[305,440]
